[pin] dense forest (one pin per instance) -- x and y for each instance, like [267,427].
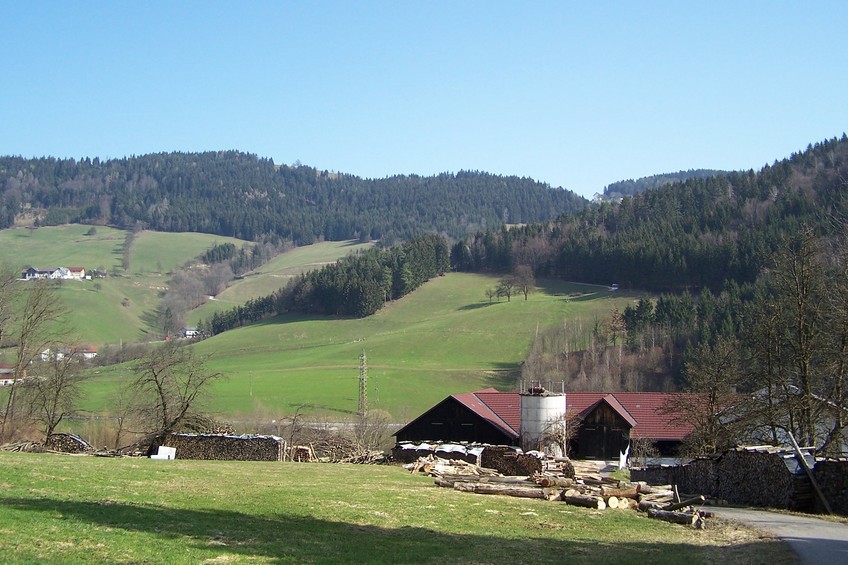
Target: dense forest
[236,194]
[630,187]
[689,235]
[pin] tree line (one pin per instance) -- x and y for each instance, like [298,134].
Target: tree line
[355,286]
[236,194]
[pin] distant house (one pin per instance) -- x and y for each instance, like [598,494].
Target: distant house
[190,332]
[83,353]
[76,273]
[607,421]
[7,374]
[33,273]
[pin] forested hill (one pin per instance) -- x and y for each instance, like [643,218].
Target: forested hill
[630,187]
[241,195]
[689,235]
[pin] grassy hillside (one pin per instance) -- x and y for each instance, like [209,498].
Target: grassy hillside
[442,339]
[122,306]
[56,509]
[276,273]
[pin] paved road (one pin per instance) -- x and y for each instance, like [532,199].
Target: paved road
[815,541]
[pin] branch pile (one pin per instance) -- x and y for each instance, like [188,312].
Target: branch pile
[508,461]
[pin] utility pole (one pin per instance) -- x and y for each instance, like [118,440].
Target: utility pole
[363,384]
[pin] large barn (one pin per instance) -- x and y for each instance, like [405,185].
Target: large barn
[607,421]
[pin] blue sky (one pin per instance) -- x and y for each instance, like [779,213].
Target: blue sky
[576,95]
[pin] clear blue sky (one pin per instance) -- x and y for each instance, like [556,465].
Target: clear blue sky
[576,95]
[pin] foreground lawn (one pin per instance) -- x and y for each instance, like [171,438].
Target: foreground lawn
[64,509]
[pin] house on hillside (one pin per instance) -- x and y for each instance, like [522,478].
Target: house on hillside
[7,374]
[76,273]
[32,273]
[607,421]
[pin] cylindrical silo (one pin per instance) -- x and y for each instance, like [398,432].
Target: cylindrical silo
[542,412]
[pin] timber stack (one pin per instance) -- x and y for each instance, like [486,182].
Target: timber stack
[752,475]
[589,491]
[67,443]
[227,447]
[832,477]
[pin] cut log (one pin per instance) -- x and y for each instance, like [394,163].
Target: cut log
[612,501]
[645,505]
[675,517]
[555,481]
[504,490]
[684,503]
[631,492]
[584,500]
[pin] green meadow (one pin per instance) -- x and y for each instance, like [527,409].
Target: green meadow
[276,273]
[444,338]
[122,307]
[68,510]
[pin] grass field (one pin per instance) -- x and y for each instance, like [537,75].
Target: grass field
[64,509]
[444,338]
[122,307]
[274,275]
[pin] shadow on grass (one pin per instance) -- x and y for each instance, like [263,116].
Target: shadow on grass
[301,539]
[476,306]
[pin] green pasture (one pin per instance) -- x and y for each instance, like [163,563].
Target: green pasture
[162,252]
[62,246]
[444,338]
[274,275]
[69,510]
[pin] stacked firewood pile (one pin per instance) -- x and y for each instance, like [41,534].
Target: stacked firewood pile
[225,447]
[832,477]
[762,477]
[589,490]
[508,461]
[755,475]
[67,443]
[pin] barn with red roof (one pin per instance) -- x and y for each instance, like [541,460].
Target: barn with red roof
[607,421]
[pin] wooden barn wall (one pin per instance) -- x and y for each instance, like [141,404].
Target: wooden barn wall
[603,434]
[451,421]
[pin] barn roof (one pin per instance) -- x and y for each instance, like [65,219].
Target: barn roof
[501,409]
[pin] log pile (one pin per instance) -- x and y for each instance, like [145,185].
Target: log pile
[832,476]
[508,461]
[756,475]
[225,447]
[67,443]
[590,491]
[762,476]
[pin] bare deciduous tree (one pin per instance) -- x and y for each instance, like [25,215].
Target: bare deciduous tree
[32,314]
[170,383]
[52,394]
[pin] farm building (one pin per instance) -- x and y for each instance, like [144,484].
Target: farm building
[607,421]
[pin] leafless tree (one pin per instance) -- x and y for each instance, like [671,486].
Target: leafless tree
[33,314]
[524,279]
[170,383]
[52,393]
